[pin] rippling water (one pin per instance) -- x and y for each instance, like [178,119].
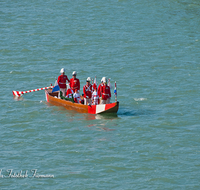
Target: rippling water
[151,48]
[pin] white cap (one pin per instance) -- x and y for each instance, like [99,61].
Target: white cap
[62,70]
[104,79]
[74,73]
[88,79]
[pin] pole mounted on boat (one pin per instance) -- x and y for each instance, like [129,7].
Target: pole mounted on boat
[115,91]
[19,93]
[109,84]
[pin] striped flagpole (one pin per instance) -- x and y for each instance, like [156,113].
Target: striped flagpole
[95,82]
[109,84]
[19,93]
[115,91]
[92,84]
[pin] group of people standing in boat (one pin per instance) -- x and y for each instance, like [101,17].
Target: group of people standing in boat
[91,94]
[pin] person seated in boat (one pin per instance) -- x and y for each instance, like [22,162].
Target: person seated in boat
[100,90]
[77,98]
[69,96]
[69,93]
[62,81]
[74,82]
[95,97]
[87,92]
[106,94]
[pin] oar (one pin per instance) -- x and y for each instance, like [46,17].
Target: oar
[19,93]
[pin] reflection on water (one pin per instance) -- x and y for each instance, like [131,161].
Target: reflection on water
[107,129]
[101,116]
[101,127]
[101,122]
[98,122]
[18,98]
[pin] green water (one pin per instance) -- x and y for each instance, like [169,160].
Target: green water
[151,48]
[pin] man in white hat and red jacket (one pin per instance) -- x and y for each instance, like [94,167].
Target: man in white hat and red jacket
[100,90]
[62,81]
[74,82]
[87,91]
[106,94]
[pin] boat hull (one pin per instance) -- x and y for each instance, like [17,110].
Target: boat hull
[92,109]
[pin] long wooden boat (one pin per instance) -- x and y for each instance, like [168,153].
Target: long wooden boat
[92,109]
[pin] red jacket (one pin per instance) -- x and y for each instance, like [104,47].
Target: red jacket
[106,92]
[77,98]
[62,81]
[87,90]
[74,84]
[69,93]
[100,90]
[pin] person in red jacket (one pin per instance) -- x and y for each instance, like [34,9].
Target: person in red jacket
[106,95]
[62,81]
[74,82]
[100,90]
[69,93]
[87,91]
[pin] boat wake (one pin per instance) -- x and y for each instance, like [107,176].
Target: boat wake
[140,112]
[126,113]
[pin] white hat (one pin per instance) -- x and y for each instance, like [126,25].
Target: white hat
[88,79]
[74,73]
[62,70]
[104,79]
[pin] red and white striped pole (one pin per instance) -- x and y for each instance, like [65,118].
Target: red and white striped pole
[19,93]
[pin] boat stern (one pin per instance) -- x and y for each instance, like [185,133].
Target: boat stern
[103,108]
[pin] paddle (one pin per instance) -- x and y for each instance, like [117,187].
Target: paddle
[19,93]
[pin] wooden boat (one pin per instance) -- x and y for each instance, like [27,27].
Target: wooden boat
[92,109]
